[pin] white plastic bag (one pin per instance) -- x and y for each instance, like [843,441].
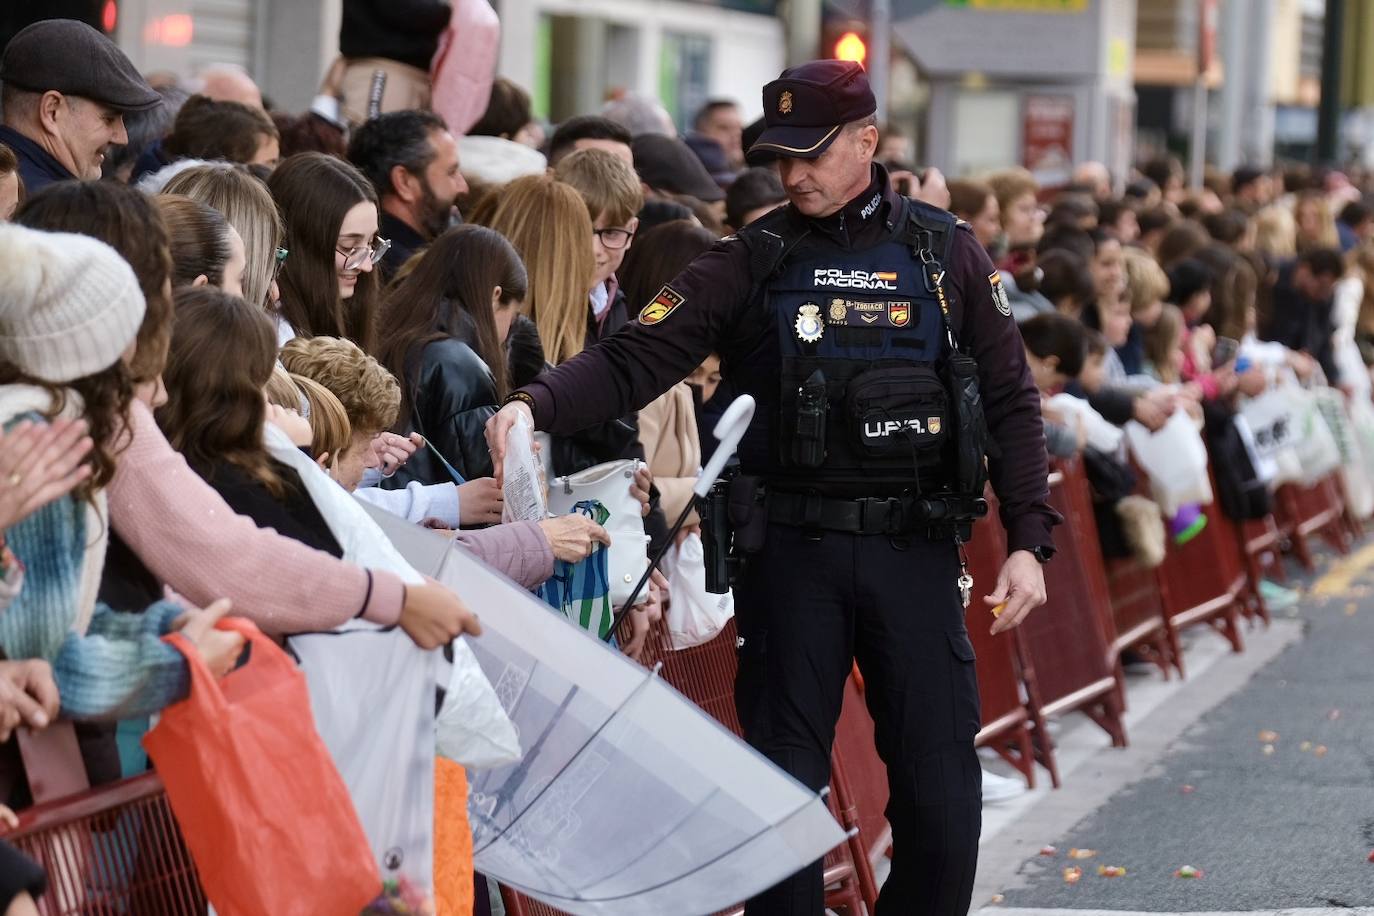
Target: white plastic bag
[522,484]
[609,484]
[1175,458]
[1272,420]
[1316,448]
[695,615]
[472,728]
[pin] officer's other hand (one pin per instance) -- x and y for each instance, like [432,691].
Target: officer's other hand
[1020,588]
[640,488]
[498,431]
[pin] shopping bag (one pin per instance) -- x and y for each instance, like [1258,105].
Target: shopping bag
[609,484]
[695,615]
[581,591]
[1175,459]
[262,808]
[1273,426]
[472,728]
[1315,446]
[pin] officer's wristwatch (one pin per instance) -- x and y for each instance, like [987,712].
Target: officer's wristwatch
[1042,553]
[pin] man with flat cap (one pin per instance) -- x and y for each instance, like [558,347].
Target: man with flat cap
[66,89]
[875,335]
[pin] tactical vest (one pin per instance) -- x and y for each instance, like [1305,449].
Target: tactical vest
[851,364]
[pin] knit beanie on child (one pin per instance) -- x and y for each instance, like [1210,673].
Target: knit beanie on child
[69,305]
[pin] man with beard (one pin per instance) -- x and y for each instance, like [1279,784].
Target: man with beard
[412,161]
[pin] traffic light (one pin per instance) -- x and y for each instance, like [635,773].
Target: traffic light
[851,46]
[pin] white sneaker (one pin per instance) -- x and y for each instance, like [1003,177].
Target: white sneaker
[1000,788]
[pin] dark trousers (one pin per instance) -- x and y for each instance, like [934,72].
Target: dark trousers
[806,607]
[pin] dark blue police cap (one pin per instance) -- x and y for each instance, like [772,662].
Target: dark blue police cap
[805,108]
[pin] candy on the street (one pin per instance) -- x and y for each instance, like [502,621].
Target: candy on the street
[1268,750]
[1188,871]
[1334,714]
[1049,851]
[997,898]
[1305,746]
[1111,871]
[1072,874]
[1077,853]
[1319,750]
[1188,790]
[1268,736]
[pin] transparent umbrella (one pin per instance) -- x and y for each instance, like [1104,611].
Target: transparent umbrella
[627,798]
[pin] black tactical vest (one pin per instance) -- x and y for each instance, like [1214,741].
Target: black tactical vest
[849,366]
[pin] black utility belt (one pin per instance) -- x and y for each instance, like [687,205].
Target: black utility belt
[873,515]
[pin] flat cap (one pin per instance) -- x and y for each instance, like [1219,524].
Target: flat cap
[668,164]
[805,107]
[72,58]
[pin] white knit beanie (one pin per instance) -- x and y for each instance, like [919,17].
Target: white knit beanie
[69,305]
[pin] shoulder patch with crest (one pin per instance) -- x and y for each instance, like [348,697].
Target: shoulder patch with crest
[667,300]
[999,294]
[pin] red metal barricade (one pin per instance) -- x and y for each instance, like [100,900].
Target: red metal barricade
[1318,509]
[1009,725]
[1067,645]
[115,850]
[1206,582]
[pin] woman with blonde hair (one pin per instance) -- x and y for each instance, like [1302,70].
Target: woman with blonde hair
[550,227]
[1276,233]
[248,208]
[1316,226]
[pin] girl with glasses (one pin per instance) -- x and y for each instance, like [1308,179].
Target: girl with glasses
[328,286]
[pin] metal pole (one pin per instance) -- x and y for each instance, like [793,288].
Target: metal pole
[1329,114]
[880,54]
[1197,149]
[802,22]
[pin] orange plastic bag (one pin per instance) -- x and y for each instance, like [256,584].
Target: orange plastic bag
[265,814]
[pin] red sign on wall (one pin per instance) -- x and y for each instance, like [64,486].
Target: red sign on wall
[1047,138]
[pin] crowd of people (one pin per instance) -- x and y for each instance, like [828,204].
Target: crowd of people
[192,274]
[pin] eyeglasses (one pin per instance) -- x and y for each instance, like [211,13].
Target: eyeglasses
[374,252]
[614,239]
[280,260]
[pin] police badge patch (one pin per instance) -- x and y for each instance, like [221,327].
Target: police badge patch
[809,324]
[999,294]
[663,305]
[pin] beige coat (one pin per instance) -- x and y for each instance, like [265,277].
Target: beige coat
[668,432]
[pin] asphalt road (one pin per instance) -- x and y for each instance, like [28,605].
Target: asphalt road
[1281,821]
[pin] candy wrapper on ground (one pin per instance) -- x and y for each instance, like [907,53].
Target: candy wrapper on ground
[1049,851]
[1188,871]
[1268,736]
[1077,853]
[1072,874]
[1111,871]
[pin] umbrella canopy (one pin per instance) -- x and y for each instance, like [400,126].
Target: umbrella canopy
[627,798]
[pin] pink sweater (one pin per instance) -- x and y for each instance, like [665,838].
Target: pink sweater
[190,539]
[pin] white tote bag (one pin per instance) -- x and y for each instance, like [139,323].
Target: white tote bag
[609,484]
[695,615]
[1175,458]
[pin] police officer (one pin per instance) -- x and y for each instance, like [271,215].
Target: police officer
[848,314]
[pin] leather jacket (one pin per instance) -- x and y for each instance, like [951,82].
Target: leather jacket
[453,397]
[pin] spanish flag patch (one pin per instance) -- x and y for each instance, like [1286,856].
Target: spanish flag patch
[663,305]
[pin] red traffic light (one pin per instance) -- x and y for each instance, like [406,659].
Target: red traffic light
[851,46]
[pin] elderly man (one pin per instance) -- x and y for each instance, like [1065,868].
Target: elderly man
[66,91]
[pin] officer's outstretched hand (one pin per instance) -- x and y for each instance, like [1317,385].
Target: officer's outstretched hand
[1020,590]
[498,431]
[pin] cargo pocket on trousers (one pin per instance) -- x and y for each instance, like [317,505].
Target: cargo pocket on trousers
[963,686]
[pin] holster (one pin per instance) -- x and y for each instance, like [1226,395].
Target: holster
[733,525]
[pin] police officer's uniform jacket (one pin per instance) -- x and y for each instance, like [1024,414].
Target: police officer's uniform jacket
[851,300]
